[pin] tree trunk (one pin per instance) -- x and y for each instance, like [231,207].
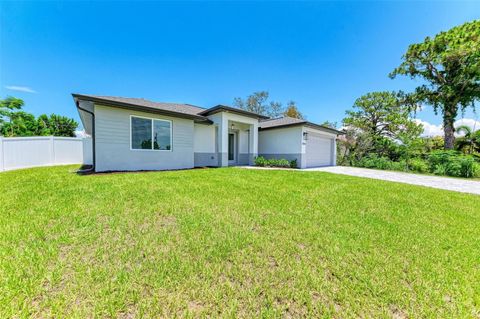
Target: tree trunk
[449,130]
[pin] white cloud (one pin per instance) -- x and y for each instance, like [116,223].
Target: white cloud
[81,133]
[25,89]
[437,130]
[474,125]
[430,129]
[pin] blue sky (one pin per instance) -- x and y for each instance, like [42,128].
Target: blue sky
[323,55]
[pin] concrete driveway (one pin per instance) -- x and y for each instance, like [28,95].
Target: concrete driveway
[448,183]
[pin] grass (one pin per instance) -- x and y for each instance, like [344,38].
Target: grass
[234,243]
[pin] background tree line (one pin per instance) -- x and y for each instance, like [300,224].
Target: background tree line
[15,122]
[258,103]
[380,130]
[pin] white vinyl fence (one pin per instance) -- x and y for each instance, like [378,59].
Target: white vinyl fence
[22,152]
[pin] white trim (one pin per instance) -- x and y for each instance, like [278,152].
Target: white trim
[151,119]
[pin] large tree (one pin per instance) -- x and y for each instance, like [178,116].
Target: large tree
[449,63]
[258,103]
[384,118]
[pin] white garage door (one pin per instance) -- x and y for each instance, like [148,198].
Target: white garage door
[318,150]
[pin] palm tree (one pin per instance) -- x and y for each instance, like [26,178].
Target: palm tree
[470,142]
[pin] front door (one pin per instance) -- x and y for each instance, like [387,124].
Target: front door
[232,156]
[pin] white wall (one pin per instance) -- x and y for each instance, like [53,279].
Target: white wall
[333,148]
[23,152]
[204,138]
[287,140]
[112,143]
[223,121]
[243,141]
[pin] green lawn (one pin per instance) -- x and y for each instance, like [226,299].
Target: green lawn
[234,243]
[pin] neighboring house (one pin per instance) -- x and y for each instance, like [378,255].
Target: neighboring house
[137,134]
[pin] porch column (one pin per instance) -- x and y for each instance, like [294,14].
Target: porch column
[223,141]
[253,143]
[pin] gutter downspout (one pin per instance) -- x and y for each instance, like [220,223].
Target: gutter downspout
[93,137]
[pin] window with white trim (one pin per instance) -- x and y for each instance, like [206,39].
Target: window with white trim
[150,134]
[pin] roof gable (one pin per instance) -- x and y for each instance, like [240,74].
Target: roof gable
[224,108]
[290,121]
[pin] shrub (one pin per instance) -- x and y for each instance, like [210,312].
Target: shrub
[260,161]
[468,166]
[441,157]
[418,165]
[452,163]
[399,166]
[273,162]
[373,161]
[293,163]
[439,169]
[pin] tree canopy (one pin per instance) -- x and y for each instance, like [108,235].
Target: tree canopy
[382,114]
[450,65]
[258,103]
[292,111]
[15,122]
[380,119]
[8,105]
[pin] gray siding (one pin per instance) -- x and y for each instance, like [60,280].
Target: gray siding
[243,158]
[205,159]
[112,142]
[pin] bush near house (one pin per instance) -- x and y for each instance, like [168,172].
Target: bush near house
[273,162]
[450,163]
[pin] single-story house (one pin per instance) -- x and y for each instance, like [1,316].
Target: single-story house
[137,134]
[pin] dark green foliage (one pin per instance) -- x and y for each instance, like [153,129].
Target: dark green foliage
[293,163]
[374,161]
[9,104]
[449,65]
[273,162]
[470,142]
[453,163]
[379,123]
[20,123]
[7,107]
[56,125]
[450,163]
[14,122]
[418,165]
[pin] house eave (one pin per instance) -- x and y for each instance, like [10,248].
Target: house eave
[228,109]
[135,107]
[307,124]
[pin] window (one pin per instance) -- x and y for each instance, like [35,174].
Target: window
[151,134]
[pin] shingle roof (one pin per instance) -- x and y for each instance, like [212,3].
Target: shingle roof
[220,108]
[171,107]
[196,112]
[290,121]
[282,121]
